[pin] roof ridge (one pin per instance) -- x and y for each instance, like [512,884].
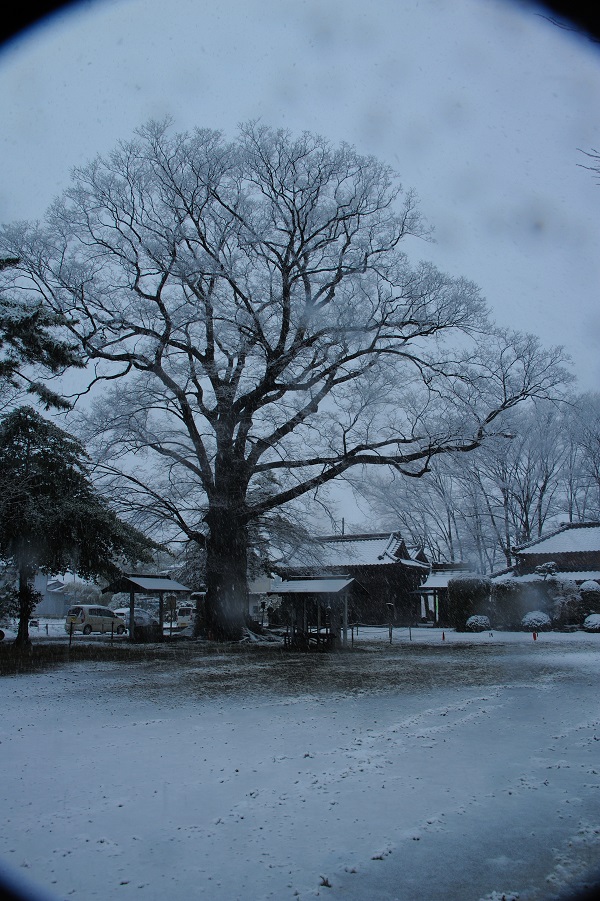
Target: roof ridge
[564,528]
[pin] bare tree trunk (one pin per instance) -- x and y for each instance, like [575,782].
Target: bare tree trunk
[507,541]
[25,604]
[226,574]
[450,541]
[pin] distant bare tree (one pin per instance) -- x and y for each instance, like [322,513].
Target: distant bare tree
[584,434]
[425,510]
[499,496]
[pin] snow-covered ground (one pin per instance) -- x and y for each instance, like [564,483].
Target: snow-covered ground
[453,768]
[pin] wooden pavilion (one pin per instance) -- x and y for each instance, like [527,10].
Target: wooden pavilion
[136,583]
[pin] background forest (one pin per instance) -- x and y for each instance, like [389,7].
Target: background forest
[477,507]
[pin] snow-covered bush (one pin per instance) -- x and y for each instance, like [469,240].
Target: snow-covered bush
[559,598]
[546,569]
[592,623]
[478,624]
[590,596]
[566,605]
[468,595]
[536,621]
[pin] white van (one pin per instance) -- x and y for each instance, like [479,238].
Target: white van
[87,618]
[186,614]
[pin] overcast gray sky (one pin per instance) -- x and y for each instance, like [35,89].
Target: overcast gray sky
[480,105]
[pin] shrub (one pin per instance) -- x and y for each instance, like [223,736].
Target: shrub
[566,605]
[590,596]
[9,603]
[467,596]
[536,621]
[592,623]
[508,603]
[558,598]
[478,624]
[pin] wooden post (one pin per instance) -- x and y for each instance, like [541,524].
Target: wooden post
[161,611]
[131,620]
[345,622]
[172,609]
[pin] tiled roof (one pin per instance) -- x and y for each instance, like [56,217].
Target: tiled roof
[146,583]
[310,586]
[351,550]
[577,538]
[156,583]
[578,576]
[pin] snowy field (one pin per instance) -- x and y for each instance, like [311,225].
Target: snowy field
[455,769]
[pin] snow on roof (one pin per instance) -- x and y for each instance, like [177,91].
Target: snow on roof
[579,576]
[441,579]
[146,583]
[311,586]
[352,550]
[574,538]
[156,583]
[416,563]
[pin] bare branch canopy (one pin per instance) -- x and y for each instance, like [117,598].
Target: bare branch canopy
[256,299]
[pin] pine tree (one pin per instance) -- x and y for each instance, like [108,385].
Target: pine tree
[51,516]
[29,343]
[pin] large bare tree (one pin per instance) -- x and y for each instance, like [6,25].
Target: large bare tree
[256,300]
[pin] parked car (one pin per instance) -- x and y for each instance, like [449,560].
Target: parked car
[186,615]
[147,627]
[87,618]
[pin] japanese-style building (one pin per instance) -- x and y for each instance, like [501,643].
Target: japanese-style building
[382,576]
[573,548]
